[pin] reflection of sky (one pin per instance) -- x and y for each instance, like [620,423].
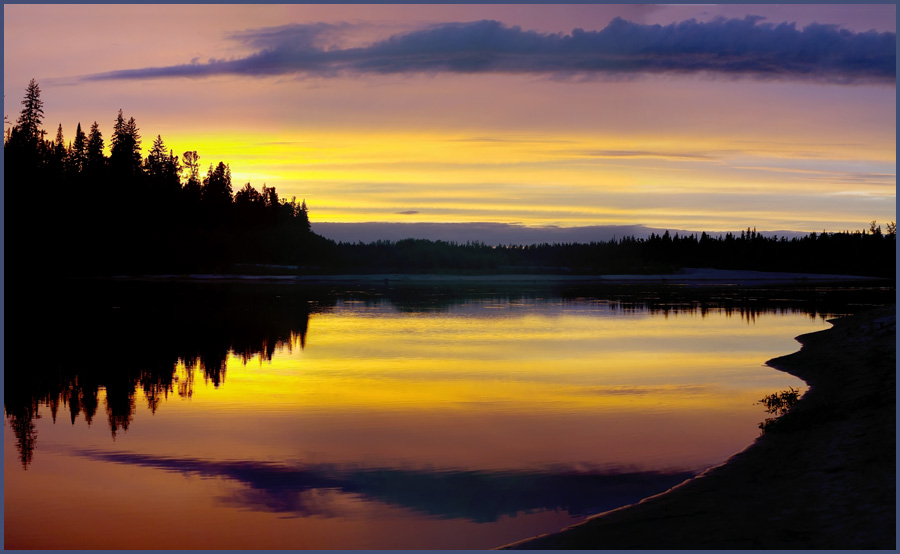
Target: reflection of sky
[685,151]
[437,493]
[542,410]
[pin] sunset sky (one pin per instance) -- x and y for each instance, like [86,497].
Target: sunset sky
[700,117]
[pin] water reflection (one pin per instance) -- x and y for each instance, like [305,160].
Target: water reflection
[121,338]
[479,496]
[374,418]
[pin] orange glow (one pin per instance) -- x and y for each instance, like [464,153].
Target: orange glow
[493,387]
[568,179]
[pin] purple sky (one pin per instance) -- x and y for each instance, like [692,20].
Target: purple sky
[504,114]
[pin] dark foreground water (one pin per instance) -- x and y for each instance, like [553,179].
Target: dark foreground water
[197,416]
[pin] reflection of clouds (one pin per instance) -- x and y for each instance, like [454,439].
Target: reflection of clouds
[327,503]
[640,391]
[481,496]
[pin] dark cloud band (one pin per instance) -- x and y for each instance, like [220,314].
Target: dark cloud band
[745,47]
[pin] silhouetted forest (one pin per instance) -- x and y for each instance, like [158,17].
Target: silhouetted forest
[81,212]
[89,213]
[869,253]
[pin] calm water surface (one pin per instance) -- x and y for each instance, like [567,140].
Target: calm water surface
[283,422]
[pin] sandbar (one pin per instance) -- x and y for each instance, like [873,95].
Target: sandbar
[822,478]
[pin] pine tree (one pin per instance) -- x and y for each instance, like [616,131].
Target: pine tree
[157,158]
[162,168]
[135,141]
[78,152]
[59,145]
[95,156]
[125,152]
[217,185]
[31,117]
[56,155]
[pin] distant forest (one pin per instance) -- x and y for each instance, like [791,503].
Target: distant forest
[72,210]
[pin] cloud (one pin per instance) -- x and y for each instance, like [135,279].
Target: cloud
[408,212]
[746,47]
[644,154]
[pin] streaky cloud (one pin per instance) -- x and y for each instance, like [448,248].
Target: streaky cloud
[641,154]
[733,48]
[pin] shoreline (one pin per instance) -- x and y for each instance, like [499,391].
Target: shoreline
[822,478]
[686,276]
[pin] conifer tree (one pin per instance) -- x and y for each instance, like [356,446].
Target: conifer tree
[31,117]
[156,158]
[217,184]
[125,150]
[78,152]
[95,156]
[59,145]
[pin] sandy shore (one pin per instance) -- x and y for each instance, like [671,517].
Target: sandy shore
[824,478]
[684,276]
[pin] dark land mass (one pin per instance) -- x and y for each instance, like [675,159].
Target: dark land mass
[823,476]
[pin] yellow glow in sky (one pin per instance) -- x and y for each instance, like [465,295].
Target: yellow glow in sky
[572,179]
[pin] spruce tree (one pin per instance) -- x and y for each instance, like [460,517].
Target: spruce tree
[31,117]
[95,156]
[78,152]
[125,151]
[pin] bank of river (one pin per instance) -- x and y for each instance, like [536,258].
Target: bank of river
[686,276]
[823,477]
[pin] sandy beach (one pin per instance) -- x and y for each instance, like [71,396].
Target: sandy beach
[823,478]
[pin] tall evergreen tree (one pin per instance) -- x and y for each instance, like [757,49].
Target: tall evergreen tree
[95,156]
[78,152]
[135,140]
[56,161]
[217,185]
[31,116]
[162,168]
[125,150]
[156,158]
[59,145]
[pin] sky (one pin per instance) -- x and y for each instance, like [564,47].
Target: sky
[697,117]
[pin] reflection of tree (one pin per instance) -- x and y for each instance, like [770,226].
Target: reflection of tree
[122,338]
[745,302]
[22,424]
[157,337]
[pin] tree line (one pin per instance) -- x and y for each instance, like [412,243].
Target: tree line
[125,213]
[128,214]
[866,252]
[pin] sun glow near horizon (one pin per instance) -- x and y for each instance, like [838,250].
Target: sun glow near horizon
[568,180]
[710,150]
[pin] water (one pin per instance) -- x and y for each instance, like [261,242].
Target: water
[150,416]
